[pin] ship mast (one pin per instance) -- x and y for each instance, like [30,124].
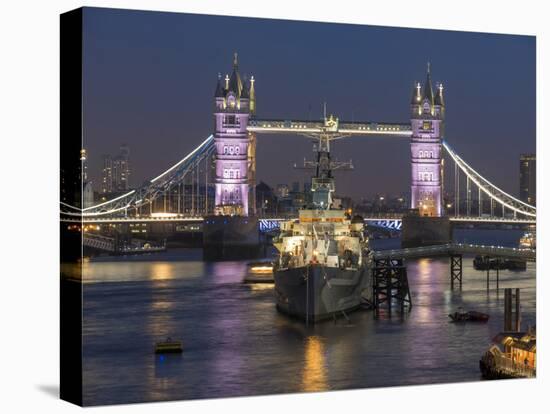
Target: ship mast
[322,183]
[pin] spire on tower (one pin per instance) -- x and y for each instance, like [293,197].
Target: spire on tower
[252,94]
[428,90]
[235,83]
[415,99]
[439,95]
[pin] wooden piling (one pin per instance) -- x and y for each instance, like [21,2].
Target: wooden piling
[508,299]
[518,312]
[498,264]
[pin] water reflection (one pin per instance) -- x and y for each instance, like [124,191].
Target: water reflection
[227,272]
[314,377]
[424,270]
[162,271]
[162,374]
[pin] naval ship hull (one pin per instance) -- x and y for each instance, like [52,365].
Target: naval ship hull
[315,292]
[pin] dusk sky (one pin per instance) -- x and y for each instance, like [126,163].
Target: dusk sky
[150,77]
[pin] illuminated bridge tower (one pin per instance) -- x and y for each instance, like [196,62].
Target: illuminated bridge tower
[426,225]
[232,110]
[427,122]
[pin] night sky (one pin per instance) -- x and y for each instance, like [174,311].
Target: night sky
[150,77]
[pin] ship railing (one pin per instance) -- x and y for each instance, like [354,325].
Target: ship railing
[507,364]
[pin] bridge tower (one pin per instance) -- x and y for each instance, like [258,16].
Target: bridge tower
[427,123]
[232,111]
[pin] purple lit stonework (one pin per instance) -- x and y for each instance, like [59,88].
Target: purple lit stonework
[235,102]
[427,122]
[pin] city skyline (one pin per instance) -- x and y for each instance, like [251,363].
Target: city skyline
[171,111]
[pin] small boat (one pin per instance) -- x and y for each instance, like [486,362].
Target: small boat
[493,263]
[470,316]
[528,241]
[259,272]
[261,267]
[168,346]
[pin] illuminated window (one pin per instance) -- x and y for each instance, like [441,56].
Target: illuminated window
[231,149]
[225,149]
[237,150]
[425,176]
[426,125]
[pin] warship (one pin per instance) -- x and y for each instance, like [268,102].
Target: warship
[323,262]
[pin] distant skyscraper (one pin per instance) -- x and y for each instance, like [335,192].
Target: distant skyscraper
[87,194]
[121,169]
[107,175]
[84,160]
[528,179]
[87,189]
[116,171]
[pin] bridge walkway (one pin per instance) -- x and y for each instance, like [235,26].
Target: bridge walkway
[452,249]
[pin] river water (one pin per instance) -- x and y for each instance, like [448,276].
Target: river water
[236,343]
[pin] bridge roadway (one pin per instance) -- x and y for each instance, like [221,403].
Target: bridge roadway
[196,219]
[457,249]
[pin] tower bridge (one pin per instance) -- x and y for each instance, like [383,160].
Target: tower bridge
[225,162]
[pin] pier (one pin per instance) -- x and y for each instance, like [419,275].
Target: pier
[390,284]
[114,245]
[455,252]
